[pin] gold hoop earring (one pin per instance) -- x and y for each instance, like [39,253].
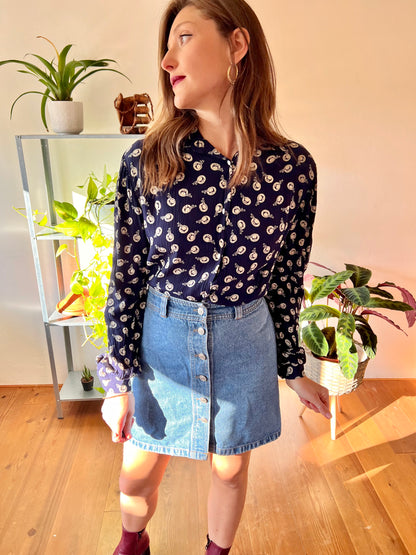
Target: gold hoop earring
[230,79]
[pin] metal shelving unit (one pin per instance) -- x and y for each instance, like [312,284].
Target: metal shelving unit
[71,389]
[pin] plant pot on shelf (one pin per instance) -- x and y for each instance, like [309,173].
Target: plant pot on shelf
[327,372]
[87,385]
[65,116]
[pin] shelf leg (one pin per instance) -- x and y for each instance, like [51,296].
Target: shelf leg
[53,371]
[333,409]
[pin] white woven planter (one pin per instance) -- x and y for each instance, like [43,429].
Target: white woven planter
[328,373]
[65,116]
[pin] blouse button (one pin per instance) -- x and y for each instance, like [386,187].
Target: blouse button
[200,311]
[204,400]
[204,420]
[201,331]
[202,356]
[202,378]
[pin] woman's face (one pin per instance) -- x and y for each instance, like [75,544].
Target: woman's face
[197,60]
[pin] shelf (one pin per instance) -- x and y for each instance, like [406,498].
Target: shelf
[72,389]
[58,319]
[54,237]
[51,137]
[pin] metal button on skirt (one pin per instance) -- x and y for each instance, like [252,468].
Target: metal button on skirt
[208,380]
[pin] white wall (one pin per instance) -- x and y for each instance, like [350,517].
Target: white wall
[346,89]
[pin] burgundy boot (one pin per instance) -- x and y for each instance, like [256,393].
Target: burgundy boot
[133,543]
[213,549]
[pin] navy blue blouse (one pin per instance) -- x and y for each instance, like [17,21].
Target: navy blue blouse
[201,240]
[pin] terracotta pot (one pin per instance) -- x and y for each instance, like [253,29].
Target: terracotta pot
[65,116]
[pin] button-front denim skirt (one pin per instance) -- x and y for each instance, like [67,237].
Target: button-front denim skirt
[209,378]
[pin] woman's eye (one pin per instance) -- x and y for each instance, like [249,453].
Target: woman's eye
[183,37]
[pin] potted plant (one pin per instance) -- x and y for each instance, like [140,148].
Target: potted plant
[92,228]
[87,379]
[338,352]
[59,78]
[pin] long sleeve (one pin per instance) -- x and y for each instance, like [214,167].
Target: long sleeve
[285,291]
[128,284]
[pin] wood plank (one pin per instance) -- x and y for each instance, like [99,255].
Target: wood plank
[392,476]
[77,525]
[31,481]
[369,525]
[306,495]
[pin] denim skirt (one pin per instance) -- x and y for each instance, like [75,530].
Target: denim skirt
[209,378]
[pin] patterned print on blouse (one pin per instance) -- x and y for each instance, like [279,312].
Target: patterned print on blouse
[201,240]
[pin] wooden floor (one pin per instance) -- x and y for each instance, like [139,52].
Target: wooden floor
[307,494]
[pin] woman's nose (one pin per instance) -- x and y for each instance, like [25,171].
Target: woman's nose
[168,62]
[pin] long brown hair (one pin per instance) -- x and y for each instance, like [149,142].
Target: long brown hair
[253,97]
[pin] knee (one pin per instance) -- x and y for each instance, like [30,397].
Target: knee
[230,475]
[136,488]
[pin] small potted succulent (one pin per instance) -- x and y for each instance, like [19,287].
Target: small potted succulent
[340,349]
[87,379]
[59,78]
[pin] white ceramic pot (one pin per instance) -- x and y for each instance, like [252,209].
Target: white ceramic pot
[65,116]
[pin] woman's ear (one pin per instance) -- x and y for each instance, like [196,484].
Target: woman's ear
[239,43]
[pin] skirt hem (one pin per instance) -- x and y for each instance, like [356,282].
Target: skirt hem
[201,455]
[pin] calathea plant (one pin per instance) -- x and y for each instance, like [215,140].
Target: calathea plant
[351,305]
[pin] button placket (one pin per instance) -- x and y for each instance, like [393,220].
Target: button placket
[201,383]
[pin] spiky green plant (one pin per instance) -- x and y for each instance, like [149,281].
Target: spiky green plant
[352,307]
[60,77]
[86,374]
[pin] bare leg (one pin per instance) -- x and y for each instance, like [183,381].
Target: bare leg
[140,477]
[227,496]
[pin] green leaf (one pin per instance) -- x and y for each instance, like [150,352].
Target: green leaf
[92,190]
[374,302]
[369,340]
[65,210]
[315,340]
[357,295]
[323,286]
[318,312]
[360,276]
[77,288]
[71,228]
[348,360]
[380,292]
[86,228]
[61,249]
[44,221]
[346,351]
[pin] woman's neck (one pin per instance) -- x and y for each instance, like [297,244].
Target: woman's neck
[220,132]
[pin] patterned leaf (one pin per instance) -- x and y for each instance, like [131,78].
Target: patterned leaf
[375,313]
[318,312]
[347,353]
[360,276]
[369,340]
[322,287]
[348,360]
[407,298]
[380,292]
[357,295]
[374,302]
[315,340]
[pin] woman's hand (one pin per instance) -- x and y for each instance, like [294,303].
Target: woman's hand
[118,414]
[313,395]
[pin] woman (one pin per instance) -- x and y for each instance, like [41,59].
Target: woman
[213,222]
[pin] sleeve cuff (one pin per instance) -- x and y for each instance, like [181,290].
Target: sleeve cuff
[292,364]
[114,378]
